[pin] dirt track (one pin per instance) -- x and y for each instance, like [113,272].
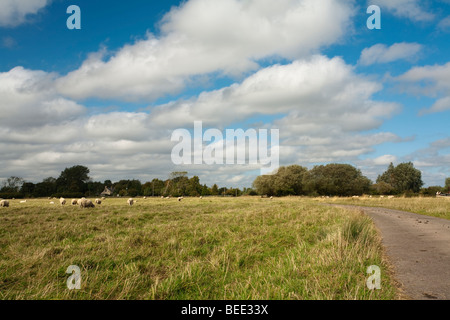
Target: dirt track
[418,246]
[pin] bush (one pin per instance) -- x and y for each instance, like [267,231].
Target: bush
[409,194]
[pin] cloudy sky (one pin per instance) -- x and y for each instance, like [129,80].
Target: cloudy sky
[110,95]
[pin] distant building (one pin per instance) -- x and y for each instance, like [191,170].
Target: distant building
[107,191]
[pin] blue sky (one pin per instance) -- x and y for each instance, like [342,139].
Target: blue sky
[109,95]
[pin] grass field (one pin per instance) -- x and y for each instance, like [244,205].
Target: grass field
[214,248]
[436,207]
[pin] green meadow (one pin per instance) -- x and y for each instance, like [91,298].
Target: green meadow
[245,248]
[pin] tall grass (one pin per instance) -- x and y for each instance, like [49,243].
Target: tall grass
[215,248]
[436,207]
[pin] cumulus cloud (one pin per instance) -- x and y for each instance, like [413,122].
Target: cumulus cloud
[410,9]
[201,37]
[15,12]
[323,110]
[430,80]
[380,53]
[29,100]
[315,92]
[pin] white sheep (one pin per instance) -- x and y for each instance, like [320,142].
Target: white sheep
[85,203]
[98,201]
[51,202]
[390,197]
[74,202]
[4,203]
[130,202]
[23,201]
[62,201]
[180,198]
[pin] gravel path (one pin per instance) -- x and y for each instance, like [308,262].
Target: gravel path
[418,246]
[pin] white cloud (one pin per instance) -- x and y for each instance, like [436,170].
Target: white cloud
[410,9]
[316,93]
[433,81]
[15,12]
[444,24]
[323,110]
[202,37]
[29,100]
[384,160]
[380,53]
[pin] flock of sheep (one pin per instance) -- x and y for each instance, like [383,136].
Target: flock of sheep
[83,202]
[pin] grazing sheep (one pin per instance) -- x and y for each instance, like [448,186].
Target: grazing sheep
[201,197]
[74,202]
[85,203]
[130,202]
[23,201]
[145,198]
[4,203]
[62,201]
[51,202]
[390,197]
[381,196]
[98,201]
[103,198]
[162,197]
[180,198]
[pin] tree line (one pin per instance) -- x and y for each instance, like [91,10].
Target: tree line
[75,182]
[322,180]
[345,180]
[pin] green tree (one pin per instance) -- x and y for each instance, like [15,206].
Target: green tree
[336,180]
[402,178]
[194,188]
[206,191]
[431,191]
[383,188]
[12,184]
[27,189]
[130,188]
[289,180]
[215,190]
[447,185]
[46,188]
[265,185]
[153,188]
[73,180]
